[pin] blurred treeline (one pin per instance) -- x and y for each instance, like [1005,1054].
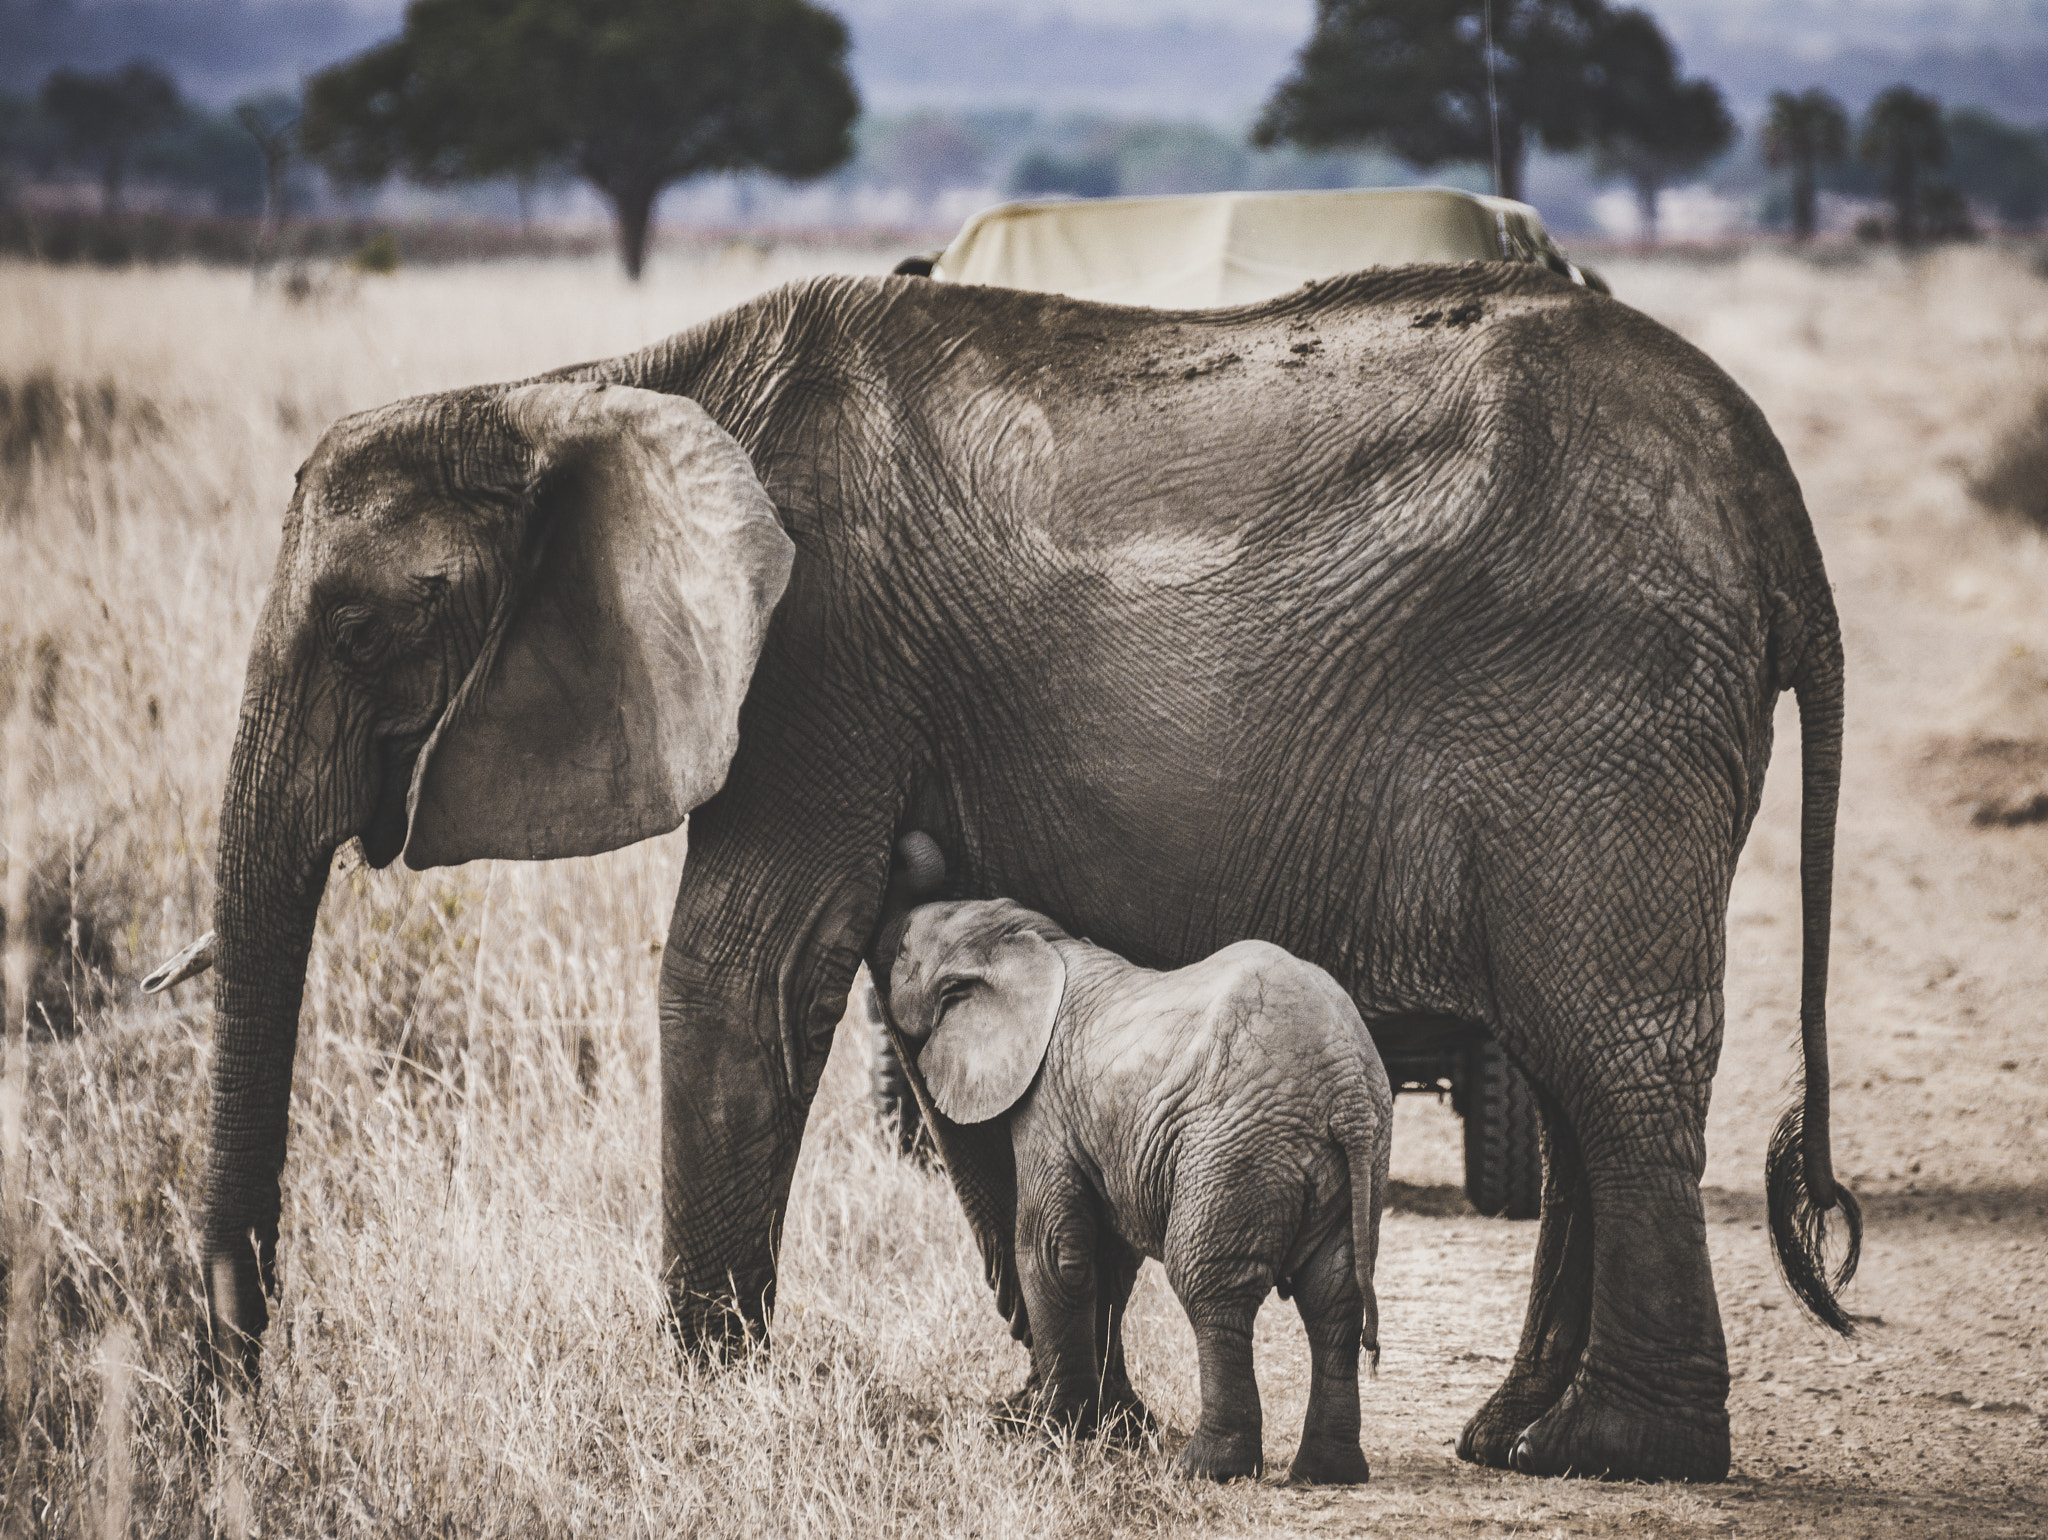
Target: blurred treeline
[201,163]
[2000,167]
[194,183]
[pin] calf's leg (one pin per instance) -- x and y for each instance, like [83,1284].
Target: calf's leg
[1332,1313]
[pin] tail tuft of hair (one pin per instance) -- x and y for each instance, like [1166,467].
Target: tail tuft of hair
[1799,1227]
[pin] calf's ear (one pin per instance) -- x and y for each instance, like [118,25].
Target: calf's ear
[605,704]
[995,1016]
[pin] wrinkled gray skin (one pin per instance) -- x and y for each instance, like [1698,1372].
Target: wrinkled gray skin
[1230,1119]
[1426,623]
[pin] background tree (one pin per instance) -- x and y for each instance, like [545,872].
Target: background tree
[634,94]
[1650,127]
[1086,176]
[103,117]
[1804,133]
[272,122]
[1411,75]
[2001,163]
[1903,136]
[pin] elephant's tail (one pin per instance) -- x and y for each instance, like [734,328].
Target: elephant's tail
[1365,1140]
[1799,1173]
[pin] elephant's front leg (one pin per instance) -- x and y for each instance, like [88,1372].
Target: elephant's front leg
[1056,1268]
[1124,1414]
[761,956]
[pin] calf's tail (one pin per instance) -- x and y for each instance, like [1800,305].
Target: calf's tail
[1799,1174]
[1365,1141]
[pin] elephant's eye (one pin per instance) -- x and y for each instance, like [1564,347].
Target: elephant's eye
[355,636]
[953,991]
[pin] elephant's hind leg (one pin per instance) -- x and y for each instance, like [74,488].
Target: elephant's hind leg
[1560,1301]
[1222,1295]
[1332,1313]
[1649,1400]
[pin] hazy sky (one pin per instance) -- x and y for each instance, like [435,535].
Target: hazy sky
[1215,59]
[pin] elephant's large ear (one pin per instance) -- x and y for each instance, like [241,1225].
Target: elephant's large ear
[606,704]
[994,1020]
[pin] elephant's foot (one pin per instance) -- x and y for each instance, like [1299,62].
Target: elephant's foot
[1329,1464]
[1125,1420]
[1222,1457]
[1593,1432]
[713,1331]
[1489,1438]
[1030,1410]
[1119,1417]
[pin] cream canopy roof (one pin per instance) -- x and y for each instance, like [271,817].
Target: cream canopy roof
[1233,248]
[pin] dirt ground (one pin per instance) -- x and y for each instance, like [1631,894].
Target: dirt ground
[1886,384]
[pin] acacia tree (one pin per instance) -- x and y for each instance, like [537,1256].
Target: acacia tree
[1805,132]
[1412,75]
[103,117]
[1651,127]
[633,94]
[1903,134]
[272,121]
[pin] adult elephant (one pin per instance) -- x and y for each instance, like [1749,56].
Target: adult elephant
[1427,623]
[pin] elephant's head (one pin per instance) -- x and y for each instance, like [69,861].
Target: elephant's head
[513,622]
[976,989]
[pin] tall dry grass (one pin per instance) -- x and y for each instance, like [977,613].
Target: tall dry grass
[469,1339]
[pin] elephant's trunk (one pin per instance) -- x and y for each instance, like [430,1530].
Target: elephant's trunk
[275,849]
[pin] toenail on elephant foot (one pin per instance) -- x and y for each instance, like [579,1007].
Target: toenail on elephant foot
[1593,1434]
[1224,1457]
[1329,1465]
[1489,1438]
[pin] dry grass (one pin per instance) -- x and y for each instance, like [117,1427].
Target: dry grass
[469,1339]
[2015,478]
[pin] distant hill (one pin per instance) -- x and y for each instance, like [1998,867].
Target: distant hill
[1208,59]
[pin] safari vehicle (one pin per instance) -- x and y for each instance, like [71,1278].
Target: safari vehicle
[1220,249]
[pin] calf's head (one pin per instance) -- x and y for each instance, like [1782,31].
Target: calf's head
[976,989]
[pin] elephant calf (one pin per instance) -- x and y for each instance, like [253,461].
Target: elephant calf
[1231,1119]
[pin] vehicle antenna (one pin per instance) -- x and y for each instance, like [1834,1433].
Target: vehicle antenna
[1492,94]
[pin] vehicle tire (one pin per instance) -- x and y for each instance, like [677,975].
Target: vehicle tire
[888,1089]
[1503,1149]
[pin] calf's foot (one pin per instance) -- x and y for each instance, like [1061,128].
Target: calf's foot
[1034,1409]
[1125,1420]
[1595,1431]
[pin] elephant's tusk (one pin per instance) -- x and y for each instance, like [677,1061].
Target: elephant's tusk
[188,964]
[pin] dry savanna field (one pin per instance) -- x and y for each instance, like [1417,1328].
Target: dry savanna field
[469,1341]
